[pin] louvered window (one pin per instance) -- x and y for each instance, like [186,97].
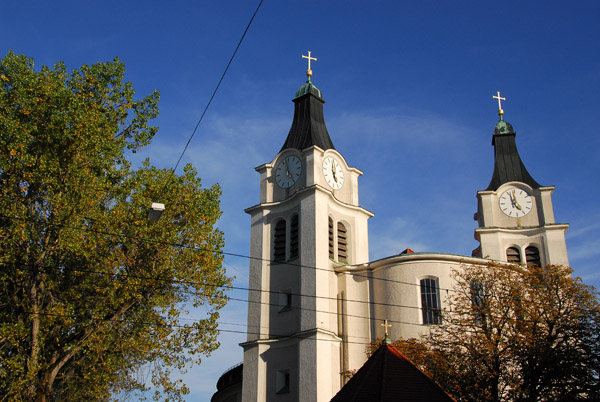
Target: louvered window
[279,241]
[331,256]
[430,301]
[532,256]
[513,255]
[342,238]
[294,238]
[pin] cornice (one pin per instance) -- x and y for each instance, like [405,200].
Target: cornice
[414,257]
[300,193]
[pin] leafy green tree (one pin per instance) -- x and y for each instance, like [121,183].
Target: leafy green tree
[515,333]
[91,291]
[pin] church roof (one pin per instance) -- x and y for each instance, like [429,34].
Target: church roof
[388,375]
[508,165]
[308,126]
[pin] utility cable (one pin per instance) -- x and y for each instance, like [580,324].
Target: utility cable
[335,299]
[231,254]
[216,89]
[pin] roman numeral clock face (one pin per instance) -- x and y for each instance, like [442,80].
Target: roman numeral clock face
[515,203]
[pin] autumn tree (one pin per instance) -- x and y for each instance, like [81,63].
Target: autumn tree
[91,291]
[515,333]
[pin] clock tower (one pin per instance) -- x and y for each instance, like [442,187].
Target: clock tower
[515,214]
[307,222]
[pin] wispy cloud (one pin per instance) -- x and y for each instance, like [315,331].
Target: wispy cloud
[591,225]
[394,237]
[584,250]
[392,125]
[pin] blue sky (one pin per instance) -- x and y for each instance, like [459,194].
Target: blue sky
[408,89]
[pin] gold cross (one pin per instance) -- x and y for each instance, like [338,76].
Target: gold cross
[309,71]
[386,326]
[500,99]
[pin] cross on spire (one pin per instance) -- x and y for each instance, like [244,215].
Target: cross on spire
[386,326]
[500,99]
[309,71]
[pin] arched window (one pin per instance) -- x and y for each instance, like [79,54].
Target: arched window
[294,238]
[279,241]
[513,255]
[430,301]
[331,254]
[342,242]
[532,256]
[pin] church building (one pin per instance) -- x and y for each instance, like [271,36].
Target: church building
[315,299]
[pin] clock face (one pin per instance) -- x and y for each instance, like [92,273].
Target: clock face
[288,171]
[332,170]
[515,202]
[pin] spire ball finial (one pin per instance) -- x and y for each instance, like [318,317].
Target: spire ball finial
[309,71]
[500,99]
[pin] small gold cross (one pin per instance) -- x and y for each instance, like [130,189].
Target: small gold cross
[309,71]
[386,326]
[500,99]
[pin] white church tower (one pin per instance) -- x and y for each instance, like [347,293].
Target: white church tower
[308,221]
[515,215]
[315,300]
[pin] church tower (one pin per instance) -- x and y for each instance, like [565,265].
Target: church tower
[308,221]
[515,215]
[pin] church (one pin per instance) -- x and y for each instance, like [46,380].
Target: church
[315,299]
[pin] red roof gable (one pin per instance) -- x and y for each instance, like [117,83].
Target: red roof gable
[388,375]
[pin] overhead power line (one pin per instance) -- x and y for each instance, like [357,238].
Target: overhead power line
[216,88]
[231,254]
[300,295]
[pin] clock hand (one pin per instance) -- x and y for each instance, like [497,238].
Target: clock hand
[287,171]
[515,201]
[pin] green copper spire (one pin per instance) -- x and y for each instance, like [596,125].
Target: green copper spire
[308,88]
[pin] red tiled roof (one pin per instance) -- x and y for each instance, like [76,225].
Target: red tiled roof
[388,375]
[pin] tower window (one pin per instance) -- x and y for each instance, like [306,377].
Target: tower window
[285,300]
[532,256]
[513,255]
[430,301]
[282,382]
[331,255]
[294,238]
[279,241]
[342,243]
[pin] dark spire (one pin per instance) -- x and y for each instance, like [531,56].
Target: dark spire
[308,127]
[508,165]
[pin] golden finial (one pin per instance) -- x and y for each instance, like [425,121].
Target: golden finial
[309,71]
[386,326]
[500,99]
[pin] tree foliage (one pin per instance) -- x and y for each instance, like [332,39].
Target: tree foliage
[515,333]
[91,291]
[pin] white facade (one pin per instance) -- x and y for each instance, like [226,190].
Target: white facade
[316,300]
